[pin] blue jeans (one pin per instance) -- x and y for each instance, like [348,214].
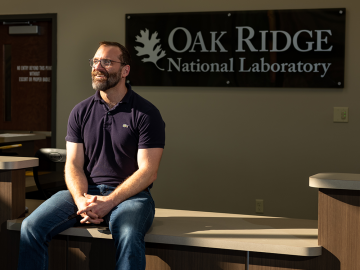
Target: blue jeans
[128,223]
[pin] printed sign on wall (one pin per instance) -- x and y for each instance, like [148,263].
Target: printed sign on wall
[33,75]
[271,48]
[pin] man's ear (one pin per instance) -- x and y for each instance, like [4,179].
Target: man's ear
[126,71]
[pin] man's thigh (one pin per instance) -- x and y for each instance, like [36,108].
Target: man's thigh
[136,214]
[55,215]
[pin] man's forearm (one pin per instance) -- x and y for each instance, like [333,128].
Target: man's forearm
[136,183]
[149,161]
[76,181]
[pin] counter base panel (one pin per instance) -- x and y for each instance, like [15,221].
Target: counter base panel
[339,223]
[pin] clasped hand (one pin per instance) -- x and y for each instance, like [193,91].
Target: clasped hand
[94,208]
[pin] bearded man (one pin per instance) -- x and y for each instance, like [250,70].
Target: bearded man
[115,141]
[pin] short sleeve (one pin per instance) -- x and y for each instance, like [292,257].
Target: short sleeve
[74,127]
[151,130]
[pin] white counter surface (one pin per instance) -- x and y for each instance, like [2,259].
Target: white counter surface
[335,181]
[13,137]
[223,231]
[13,163]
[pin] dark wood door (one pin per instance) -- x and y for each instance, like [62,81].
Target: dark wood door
[26,65]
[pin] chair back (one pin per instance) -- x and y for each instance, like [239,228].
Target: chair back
[49,176]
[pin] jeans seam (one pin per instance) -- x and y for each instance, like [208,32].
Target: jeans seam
[44,254]
[50,231]
[44,260]
[147,217]
[142,236]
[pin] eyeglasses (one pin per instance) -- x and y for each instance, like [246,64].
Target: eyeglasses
[103,62]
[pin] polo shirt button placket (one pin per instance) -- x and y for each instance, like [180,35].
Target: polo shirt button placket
[108,120]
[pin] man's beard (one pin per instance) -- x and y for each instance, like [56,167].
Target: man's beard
[108,82]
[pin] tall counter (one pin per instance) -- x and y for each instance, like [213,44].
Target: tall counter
[29,143]
[12,204]
[21,137]
[339,216]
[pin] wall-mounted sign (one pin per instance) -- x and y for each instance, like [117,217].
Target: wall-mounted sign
[34,75]
[271,48]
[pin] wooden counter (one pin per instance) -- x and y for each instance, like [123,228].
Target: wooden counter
[12,204]
[192,240]
[181,239]
[218,230]
[339,216]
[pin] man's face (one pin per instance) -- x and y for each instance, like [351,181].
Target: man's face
[108,77]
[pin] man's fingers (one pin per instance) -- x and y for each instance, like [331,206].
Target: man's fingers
[87,219]
[92,215]
[92,197]
[98,221]
[87,212]
[86,209]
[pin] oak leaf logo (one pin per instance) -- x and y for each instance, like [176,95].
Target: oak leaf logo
[154,52]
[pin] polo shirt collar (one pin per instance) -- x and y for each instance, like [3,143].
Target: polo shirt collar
[125,99]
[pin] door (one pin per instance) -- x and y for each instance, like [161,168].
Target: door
[26,78]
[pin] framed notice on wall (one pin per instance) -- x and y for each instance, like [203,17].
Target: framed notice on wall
[270,48]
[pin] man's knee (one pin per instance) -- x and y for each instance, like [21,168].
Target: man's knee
[127,236]
[38,221]
[132,219]
[29,226]
[63,195]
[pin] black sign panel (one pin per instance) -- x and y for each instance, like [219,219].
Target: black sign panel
[271,48]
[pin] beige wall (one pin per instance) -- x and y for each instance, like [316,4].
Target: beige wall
[224,147]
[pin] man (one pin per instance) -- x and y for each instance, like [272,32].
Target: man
[115,140]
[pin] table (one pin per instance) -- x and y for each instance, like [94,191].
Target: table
[30,143]
[339,216]
[12,204]
[12,137]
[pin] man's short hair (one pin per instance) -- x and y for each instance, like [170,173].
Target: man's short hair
[125,55]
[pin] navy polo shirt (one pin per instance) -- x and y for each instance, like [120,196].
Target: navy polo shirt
[112,138]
